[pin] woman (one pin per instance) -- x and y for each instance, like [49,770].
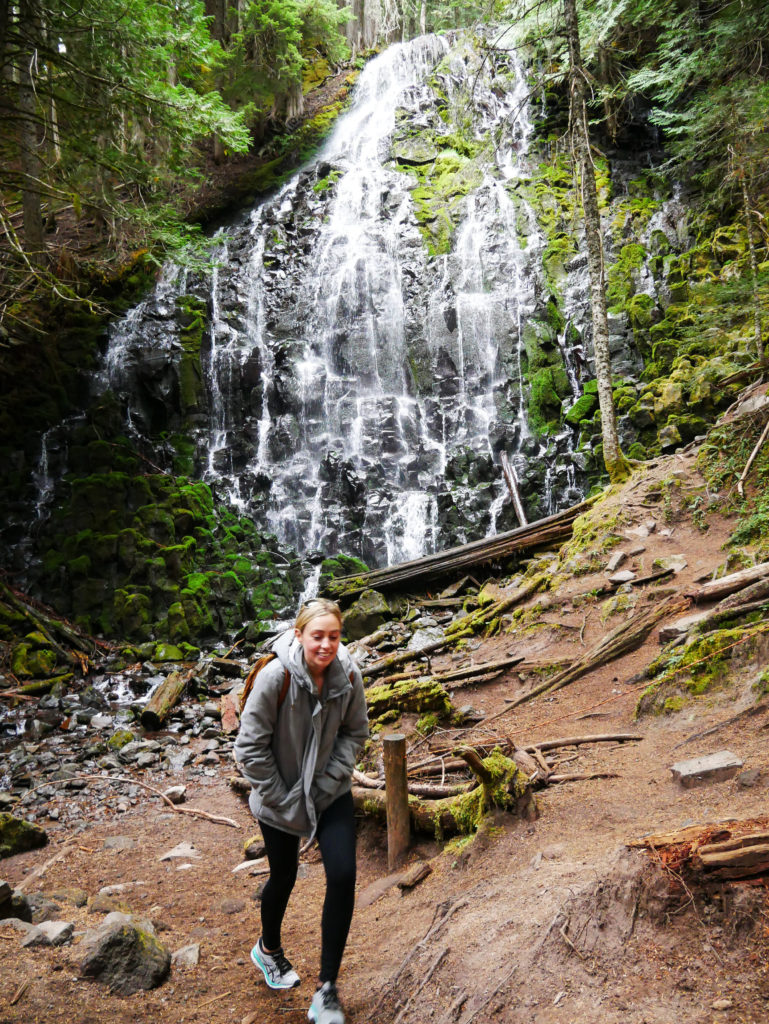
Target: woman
[300,732]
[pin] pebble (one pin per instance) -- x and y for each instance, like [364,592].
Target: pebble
[721,1004]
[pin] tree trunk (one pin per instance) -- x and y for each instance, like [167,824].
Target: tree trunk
[753,267]
[615,462]
[29,152]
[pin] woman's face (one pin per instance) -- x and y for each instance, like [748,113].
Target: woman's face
[320,640]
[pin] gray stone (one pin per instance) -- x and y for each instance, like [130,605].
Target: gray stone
[749,778]
[119,843]
[699,771]
[50,933]
[182,850]
[623,576]
[615,561]
[232,906]
[101,722]
[674,562]
[176,794]
[124,956]
[424,637]
[18,925]
[187,956]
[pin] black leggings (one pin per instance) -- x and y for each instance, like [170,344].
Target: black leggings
[336,838]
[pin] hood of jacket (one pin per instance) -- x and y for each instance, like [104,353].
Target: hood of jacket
[290,654]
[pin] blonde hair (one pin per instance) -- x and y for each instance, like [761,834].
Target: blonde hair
[318,606]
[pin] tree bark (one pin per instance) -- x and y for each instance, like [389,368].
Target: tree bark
[615,462]
[34,244]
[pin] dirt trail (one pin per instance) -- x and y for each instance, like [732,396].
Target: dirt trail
[552,922]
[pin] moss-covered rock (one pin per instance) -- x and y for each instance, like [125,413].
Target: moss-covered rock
[19,836]
[366,614]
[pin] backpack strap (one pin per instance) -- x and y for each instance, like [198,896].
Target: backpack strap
[251,677]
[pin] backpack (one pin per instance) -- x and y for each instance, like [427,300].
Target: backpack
[255,670]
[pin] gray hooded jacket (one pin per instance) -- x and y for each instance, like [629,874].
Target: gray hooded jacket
[299,757]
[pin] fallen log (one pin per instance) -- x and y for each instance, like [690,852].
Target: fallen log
[752,592]
[683,850]
[49,627]
[429,789]
[625,638]
[506,787]
[554,778]
[473,623]
[543,531]
[411,695]
[714,590]
[401,658]
[165,697]
[577,741]
[511,479]
[482,668]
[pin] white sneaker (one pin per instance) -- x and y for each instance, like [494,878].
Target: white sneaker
[325,1007]
[277,970]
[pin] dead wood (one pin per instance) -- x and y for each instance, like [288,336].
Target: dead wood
[167,695]
[476,765]
[714,590]
[511,479]
[461,673]
[510,791]
[480,620]
[426,789]
[51,628]
[751,593]
[417,873]
[449,602]
[625,638]
[418,695]
[526,762]
[401,658]
[554,777]
[545,531]
[576,741]
[751,460]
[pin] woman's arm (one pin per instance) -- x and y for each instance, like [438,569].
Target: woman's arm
[253,747]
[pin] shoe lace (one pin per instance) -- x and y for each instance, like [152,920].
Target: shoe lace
[329,998]
[281,961]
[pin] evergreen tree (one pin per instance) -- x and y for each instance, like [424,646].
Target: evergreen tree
[101,104]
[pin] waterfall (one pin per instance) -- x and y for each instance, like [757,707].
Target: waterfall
[356,389]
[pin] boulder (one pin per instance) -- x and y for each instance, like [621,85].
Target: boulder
[366,615]
[18,836]
[124,954]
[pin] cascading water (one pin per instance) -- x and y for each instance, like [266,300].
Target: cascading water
[356,388]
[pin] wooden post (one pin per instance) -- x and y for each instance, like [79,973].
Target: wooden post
[396,789]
